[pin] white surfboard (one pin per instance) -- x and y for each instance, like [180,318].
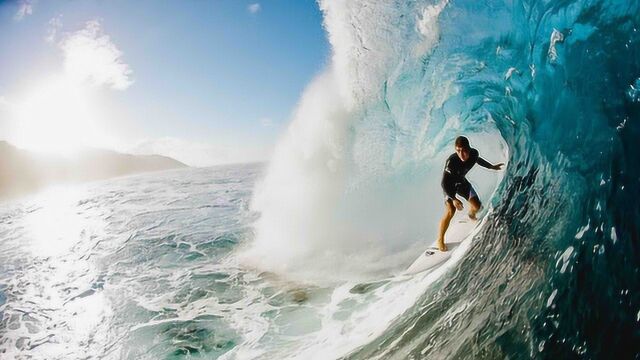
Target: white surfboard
[459,228]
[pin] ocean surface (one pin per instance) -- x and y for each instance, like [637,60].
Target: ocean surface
[301,257]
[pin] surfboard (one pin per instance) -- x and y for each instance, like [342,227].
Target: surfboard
[460,227]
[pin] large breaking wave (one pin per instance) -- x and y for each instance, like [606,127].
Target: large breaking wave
[353,190]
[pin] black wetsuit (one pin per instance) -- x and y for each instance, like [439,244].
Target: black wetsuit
[453,177]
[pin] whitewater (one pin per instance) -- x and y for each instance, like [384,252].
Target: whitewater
[302,257]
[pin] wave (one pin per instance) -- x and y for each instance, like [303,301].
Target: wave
[352,190]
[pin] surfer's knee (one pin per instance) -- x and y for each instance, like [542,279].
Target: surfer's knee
[475,203]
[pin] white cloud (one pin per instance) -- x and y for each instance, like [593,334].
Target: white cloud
[25,8]
[266,122]
[254,8]
[90,55]
[55,24]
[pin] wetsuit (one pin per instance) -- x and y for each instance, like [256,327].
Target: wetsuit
[453,178]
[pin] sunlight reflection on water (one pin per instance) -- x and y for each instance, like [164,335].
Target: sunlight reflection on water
[55,301]
[54,227]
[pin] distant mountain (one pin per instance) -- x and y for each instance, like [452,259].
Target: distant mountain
[22,171]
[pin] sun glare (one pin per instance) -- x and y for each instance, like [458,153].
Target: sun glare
[56,118]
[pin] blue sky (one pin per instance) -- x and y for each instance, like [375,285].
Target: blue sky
[217,78]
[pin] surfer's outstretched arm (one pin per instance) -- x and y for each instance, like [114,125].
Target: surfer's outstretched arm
[484,163]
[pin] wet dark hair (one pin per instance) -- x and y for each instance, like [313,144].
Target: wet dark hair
[462,142]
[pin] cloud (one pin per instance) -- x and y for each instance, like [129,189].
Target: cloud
[25,8]
[55,24]
[254,8]
[90,55]
[266,122]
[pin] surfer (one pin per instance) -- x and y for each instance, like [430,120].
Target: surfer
[454,182]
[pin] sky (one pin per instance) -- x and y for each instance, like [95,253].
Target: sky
[205,82]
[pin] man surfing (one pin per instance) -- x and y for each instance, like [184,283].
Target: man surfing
[454,182]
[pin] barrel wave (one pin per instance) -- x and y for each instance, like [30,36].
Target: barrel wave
[554,87]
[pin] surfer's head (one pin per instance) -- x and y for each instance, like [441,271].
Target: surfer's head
[463,149]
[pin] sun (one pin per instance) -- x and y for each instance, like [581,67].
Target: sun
[56,118]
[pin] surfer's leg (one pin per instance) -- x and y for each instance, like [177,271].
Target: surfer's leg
[444,223]
[475,207]
[470,194]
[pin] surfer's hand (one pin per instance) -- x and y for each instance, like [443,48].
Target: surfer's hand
[498,166]
[458,204]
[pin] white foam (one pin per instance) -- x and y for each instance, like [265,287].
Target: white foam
[556,37]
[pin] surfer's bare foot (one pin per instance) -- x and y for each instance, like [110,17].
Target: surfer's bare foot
[441,245]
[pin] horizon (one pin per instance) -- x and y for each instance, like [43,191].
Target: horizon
[75,78]
[84,151]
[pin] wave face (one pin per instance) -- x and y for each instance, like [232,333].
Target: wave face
[554,273]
